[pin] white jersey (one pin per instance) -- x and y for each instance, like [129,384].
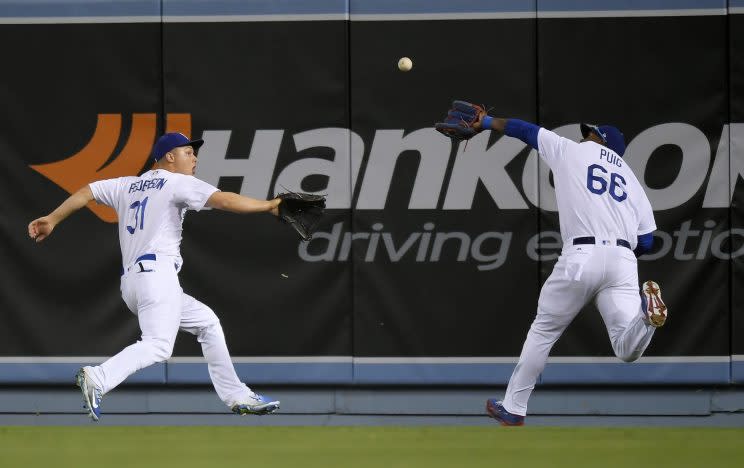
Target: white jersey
[151,209]
[597,192]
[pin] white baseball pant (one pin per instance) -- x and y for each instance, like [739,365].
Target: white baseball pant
[608,274]
[151,290]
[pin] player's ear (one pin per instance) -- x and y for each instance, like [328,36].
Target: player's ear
[170,156]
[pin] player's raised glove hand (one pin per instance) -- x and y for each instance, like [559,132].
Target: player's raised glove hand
[41,228]
[462,121]
[302,211]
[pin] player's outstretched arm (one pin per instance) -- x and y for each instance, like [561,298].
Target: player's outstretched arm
[41,228]
[235,203]
[464,120]
[525,131]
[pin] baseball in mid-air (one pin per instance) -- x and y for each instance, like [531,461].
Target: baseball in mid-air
[405,64]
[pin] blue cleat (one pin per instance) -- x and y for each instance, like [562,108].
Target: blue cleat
[496,410]
[256,404]
[91,394]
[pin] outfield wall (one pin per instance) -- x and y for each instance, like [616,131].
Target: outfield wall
[428,267]
[437,405]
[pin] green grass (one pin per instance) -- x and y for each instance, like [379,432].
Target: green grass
[360,447]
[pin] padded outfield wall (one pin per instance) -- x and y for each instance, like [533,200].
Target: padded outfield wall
[428,267]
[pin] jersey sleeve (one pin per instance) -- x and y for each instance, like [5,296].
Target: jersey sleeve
[104,191]
[194,192]
[551,146]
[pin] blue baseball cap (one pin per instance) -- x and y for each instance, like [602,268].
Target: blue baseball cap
[173,140]
[611,136]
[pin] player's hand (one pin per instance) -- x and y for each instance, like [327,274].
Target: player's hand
[275,209]
[477,125]
[40,229]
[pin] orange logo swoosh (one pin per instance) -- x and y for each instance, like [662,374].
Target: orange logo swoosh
[87,165]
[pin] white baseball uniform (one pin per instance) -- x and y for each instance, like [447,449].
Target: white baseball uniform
[151,209]
[602,209]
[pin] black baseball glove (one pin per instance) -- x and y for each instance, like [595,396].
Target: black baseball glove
[460,120]
[302,211]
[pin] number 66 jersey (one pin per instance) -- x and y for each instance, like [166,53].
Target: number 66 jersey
[596,191]
[151,209]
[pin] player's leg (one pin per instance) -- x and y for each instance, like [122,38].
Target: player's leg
[619,303]
[200,320]
[563,295]
[155,297]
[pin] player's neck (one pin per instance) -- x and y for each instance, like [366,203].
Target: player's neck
[162,167]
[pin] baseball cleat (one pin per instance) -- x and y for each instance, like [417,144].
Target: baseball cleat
[91,394]
[496,410]
[654,309]
[257,404]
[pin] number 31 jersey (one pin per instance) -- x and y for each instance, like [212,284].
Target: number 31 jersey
[596,191]
[151,209]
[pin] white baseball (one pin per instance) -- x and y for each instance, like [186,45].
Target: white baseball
[405,64]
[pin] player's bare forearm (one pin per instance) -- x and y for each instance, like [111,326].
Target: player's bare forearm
[73,203]
[235,203]
[39,229]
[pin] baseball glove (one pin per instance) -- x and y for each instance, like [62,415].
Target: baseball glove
[460,120]
[302,211]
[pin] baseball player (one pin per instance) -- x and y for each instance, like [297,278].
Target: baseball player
[606,221]
[151,209]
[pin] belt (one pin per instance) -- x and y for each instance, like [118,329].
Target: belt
[592,240]
[140,259]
